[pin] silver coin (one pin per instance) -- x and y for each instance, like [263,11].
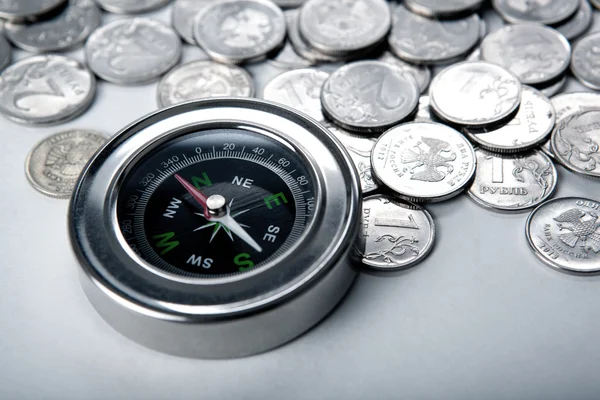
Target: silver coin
[512,182]
[576,143]
[483,30]
[443,8]
[421,73]
[183,14]
[5,53]
[236,31]
[53,166]
[203,79]
[299,44]
[535,53]
[369,96]
[28,10]
[359,148]
[553,88]
[132,51]
[579,23]
[339,27]
[299,89]
[568,104]
[424,161]
[586,60]
[423,40]
[45,90]
[288,57]
[396,234]
[565,234]
[475,94]
[70,28]
[131,6]
[541,11]
[530,127]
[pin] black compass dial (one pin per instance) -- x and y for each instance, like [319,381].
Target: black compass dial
[216,203]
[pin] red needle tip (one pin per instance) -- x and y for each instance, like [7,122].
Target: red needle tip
[196,194]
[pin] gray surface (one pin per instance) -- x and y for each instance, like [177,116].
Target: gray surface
[481,318]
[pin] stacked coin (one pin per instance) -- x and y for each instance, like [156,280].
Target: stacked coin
[426,102]
[538,55]
[421,40]
[49,89]
[29,10]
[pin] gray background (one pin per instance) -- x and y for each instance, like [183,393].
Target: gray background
[481,318]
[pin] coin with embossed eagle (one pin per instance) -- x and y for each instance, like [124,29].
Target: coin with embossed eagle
[424,161]
[565,234]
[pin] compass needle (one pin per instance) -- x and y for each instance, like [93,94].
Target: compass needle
[236,228]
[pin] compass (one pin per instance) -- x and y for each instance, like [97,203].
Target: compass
[218,228]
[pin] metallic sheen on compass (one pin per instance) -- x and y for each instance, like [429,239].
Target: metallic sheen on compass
[216,211]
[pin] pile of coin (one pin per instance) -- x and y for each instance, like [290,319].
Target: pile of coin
[488,122]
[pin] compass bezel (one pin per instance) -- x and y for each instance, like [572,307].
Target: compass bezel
[317,271]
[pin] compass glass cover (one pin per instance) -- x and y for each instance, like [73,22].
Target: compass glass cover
[216,202]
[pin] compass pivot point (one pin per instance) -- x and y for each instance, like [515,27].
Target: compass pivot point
[217,205]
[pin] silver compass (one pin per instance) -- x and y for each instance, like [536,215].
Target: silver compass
[217,220]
